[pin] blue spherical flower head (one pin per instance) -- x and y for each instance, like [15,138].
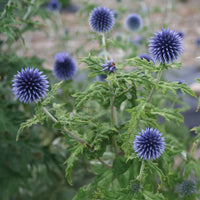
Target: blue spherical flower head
[54,5]
[133,22]
[187,187]
[166,46]
[109,66]
[197,41]
[64,67]
[30,85]
[146,57]
[149,145]
[101,20]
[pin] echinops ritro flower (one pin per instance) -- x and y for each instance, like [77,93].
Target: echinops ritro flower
[133,22]
[187,187]
[54,5]
[149,145]
[30,85]
[64,67]
[101,19]
[109,66]
[166,46]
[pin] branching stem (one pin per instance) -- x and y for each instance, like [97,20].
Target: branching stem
[154,87]
[4,11]
[74,136]
[29,10]
[141,171]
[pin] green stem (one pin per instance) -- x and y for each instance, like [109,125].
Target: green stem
[154,87]
[29,10]
[65,129]
[4,11]
[141,171]
[75,137]
[113,122]
[194,145]
[105,164]
[104,45]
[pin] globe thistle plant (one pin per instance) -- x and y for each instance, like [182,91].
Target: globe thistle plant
[64,67]
[187,187]
[101,19]
[109,66]
[30,85]
[133,22]
[166,46]
[54,5]
[146,57]
[149,145]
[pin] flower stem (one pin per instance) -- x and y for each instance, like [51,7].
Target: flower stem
[113,122]
[29,10]
[194,145]
[75,137]
[65,129]
[105,164]
[4,11]
[141,171]
[104,45]
[154,87]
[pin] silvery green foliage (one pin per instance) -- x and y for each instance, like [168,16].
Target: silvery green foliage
[106,117]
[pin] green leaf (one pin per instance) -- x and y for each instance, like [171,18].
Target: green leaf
[120,166]
[78,149]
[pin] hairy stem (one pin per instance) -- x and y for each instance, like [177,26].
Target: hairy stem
[114,121]
[141,171]
[75,137]
[65,129]
[29,10]
[194,145]
[104,45]
[4,11]
[105,164]
[154,87]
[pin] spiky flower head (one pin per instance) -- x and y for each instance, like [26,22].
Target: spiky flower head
[109,66]
[149,145]
[133,22]
[30,85]
[135,186]
[54,5]
[64,67]
[101,19]
[166,46]
[197,41]
[187,187]
[146,57]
